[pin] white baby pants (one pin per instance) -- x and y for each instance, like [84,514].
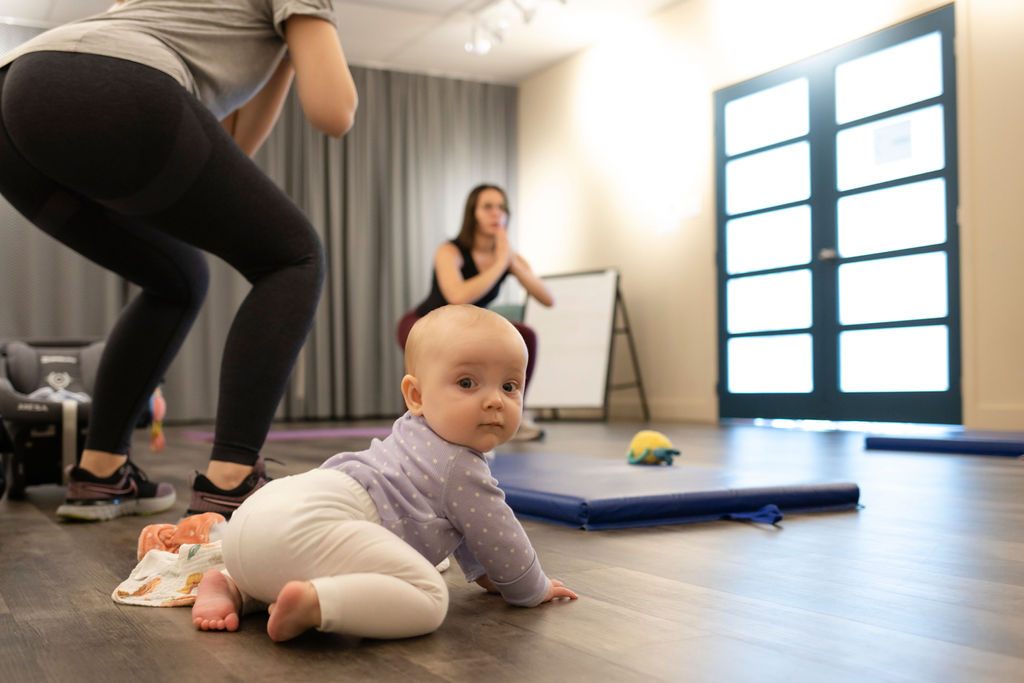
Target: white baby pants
[322,526]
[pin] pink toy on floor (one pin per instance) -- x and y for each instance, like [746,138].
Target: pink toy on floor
[170,537]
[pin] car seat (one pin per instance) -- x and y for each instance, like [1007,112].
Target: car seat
[45,402]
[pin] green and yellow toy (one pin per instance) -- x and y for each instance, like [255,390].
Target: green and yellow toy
[649,447]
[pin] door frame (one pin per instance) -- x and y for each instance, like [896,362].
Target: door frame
[826,401]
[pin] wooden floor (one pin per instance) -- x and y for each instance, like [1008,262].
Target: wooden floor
[925,583]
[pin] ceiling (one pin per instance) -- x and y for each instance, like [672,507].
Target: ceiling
[429,36]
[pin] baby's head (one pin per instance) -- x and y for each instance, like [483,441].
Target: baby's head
[465,368]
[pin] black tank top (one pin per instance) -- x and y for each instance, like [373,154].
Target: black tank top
[436,298]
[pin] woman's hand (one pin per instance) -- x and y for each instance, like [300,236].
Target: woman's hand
[251,123]
[503,252]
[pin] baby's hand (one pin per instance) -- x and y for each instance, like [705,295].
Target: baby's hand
[557,589]
[488,585]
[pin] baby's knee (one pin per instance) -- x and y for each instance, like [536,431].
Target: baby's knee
[436,590]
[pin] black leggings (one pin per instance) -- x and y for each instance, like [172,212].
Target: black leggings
[120,163]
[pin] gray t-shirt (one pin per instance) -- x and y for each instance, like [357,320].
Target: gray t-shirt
[440,498]
[221,51]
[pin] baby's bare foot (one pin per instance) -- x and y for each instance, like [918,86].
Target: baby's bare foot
[217,603]
[296,610]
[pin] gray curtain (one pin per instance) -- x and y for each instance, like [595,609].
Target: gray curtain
[13,35]
[382,199]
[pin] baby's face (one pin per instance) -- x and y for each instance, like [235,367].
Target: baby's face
[472,386]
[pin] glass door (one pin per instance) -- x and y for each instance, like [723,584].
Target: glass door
[837,240]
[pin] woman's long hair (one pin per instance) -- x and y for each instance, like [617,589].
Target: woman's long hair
[465,238]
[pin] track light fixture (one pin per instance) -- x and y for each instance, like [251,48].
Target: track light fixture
[490,24]
[478,43]
[483,36]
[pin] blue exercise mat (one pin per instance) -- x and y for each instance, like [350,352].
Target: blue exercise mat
[599,493]
[958,443]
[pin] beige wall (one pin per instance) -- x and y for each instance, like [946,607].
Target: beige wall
[616,169]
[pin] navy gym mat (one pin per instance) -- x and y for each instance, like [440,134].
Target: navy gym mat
[954,443]
[599,493]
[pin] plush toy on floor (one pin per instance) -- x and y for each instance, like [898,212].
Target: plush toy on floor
[649,447]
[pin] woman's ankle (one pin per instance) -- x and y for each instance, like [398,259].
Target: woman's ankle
[101,463]
[227,475]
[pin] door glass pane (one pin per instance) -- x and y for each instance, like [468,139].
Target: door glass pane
[901,288]
[892,148]
[895,359]
[896,76]
[774,239]
[780,301]
[778,176]
[766,117]
[773,364]
[912,215]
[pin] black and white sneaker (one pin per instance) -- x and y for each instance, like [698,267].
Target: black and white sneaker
[126,492]
[206,497]
[528,431]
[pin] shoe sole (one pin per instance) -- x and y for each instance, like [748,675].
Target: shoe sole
[226,514]
[521,436]
[103,512]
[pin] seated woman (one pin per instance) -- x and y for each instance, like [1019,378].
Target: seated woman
[471,268]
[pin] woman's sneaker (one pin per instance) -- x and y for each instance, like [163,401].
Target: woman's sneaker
[528,431]
[126,492]
[206,497]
